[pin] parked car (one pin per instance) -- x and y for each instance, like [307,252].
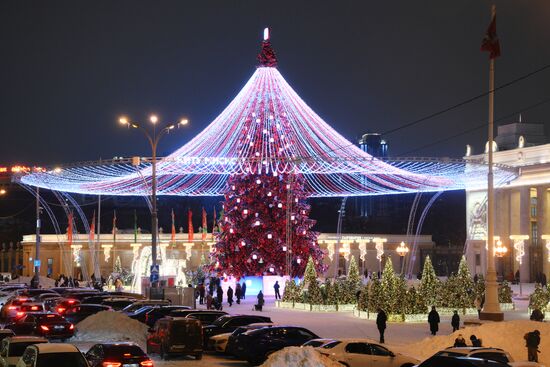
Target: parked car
[31,307]
[206,317]
[52,354]
[363,352]
[454,361]
[159,312]
[117,354]
[130,309]
[229,323]
[48,325]
[140,314]
[218,343]
[12,348]
[238,331]
[495,354]
[63,304]
[12,306]
[77,313]
[175,335]
[118,303]
[256,345]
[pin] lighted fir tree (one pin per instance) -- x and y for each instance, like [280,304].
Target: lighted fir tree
[353,278]
[333,291]
[389,288]
[363,303]
[505,293]
[313,295]
[375,295]
[429,283]
[414,302]
[400,295]
[290,293]
[479,287]
[463,288]
[539,299]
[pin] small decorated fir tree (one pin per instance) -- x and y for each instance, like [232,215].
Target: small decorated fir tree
[354,279]
[463,292]
[429,283]
[375,295]
[291,292]
[539,299]
[389,288]
[505,293]
[313,295]
[363,303]
[415,304]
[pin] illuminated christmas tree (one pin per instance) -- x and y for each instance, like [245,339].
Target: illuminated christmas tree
[429,284]
[505,293]
[313,295]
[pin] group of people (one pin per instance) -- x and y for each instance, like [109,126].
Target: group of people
[216,301]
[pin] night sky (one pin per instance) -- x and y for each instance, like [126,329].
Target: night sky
[70,68]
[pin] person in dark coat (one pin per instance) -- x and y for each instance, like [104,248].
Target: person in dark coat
[260,304]
[455,321]
[230,296]
[276,287]
[537,315]
[475,341]
[381,319]
[532,341]
[460,341]
[202,292]
[243,290]
[219,294]
[238,293]
[433,320]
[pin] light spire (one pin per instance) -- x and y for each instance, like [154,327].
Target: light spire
[267,57]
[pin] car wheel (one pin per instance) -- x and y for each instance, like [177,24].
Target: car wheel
[343,364]
[407,365]
[198,357]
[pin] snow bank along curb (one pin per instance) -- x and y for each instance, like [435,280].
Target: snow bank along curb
[299,357]
[111,326]
[507,335]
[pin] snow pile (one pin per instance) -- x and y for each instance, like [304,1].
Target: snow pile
[111,326]
[507,335]
[299,357]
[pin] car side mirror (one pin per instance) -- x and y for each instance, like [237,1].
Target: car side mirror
[391,354]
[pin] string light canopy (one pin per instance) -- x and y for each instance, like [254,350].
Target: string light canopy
[267,129]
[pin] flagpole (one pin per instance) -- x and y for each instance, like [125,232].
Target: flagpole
[491,309]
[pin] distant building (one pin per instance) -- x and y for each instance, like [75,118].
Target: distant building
[522,207]
[373,144]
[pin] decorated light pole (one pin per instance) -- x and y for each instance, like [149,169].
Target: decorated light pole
[379,245]
[402,250]
[519,246]
[153,141]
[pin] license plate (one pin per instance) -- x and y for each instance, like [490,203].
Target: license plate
[59,327]
[130,365]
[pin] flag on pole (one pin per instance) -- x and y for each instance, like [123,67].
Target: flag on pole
[190,225]
[135,226]
[204,225]
[173,238]
[92,228]
[70,229]
[114,225]
[490,41]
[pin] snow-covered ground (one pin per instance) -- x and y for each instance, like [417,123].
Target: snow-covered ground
[413,339]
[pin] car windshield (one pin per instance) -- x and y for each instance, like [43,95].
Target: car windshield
[71,359]
[122,349]
[220,321]
[50,318]
[17,349]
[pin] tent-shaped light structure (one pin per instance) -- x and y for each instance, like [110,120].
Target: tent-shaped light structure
[268,129]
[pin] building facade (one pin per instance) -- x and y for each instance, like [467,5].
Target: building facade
[522,207]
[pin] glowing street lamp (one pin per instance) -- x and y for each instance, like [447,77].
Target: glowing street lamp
[402,250]
[500,249]
[3,192]
[153,141]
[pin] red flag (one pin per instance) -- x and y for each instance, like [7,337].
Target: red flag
[92,228]
[190,225]
[204,225]
[70,229]
[173,228]
[490,41]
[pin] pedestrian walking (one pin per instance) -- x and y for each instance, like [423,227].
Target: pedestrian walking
[477,303]
[219,295]
[475,341]
[238,293]
[260,304]
[243,290]
[230,296]
[276,287]
[455,321]
[532,341]
[202,291]
[433,320]
[381,319]
[460,341]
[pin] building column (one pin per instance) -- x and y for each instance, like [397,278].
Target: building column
[543,216]
[520,225]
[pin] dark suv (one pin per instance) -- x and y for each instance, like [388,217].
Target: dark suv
[228,324]
[256,345]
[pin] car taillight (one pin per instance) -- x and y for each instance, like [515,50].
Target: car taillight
[12,307]
[147,363]
[20,314]
[71,301]
[34,308]
[61,309]
[71,327]
[44,327]
[111,364]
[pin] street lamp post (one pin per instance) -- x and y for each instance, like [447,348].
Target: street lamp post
[153,141]
[500,251]
[402,250]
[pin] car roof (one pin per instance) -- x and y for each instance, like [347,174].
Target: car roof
[26,339]
[56,348]
[466,350]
